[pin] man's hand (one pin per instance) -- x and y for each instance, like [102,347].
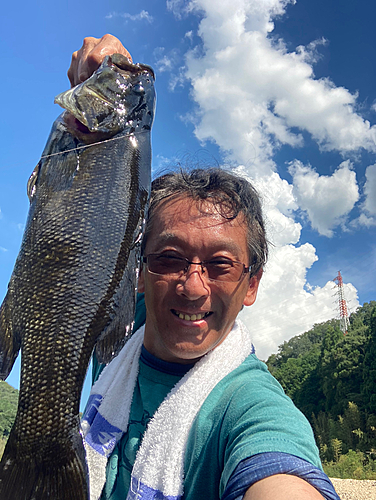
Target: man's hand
[86,60]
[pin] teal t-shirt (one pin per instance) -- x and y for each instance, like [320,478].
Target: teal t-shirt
[246,413]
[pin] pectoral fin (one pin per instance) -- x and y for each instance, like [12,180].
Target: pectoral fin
[10,339]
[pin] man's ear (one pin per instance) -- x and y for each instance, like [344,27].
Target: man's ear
[252,289]
[141,284]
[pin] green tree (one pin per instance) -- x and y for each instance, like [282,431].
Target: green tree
[8,407]
[369,366]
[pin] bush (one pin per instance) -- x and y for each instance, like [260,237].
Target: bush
[3,442]
[353,465]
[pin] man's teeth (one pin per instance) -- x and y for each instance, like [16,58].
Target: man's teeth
[192,317]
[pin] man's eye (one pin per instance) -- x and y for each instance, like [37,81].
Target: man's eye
[221,263]
[171,258]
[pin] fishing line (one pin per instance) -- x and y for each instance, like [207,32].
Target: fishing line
[93,144]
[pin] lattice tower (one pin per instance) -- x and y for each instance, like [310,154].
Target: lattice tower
[343,314]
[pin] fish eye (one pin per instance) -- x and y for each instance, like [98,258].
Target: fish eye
[138,88]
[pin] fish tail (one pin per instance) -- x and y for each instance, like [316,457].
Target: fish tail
[22,477]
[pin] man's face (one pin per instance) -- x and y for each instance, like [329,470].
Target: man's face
[199,233]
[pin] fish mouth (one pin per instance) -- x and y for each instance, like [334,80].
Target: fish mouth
[81,127]
[81,131]
[191,317]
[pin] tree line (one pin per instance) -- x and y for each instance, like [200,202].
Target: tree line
[8,410]
[331,377]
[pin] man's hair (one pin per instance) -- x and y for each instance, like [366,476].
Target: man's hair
[230,195]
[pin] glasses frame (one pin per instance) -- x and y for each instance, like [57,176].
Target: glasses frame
[203,269]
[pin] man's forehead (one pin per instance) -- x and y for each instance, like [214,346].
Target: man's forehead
[184,209]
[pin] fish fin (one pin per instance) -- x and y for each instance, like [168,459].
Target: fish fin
[63,477]
[115,336]
[10,338]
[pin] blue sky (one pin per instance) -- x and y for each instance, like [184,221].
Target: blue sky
[283,92]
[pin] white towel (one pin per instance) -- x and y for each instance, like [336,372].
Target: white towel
[158,469]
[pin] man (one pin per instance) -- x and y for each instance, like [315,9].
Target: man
[187,410]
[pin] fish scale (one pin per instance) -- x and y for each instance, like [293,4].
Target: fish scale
[74,283]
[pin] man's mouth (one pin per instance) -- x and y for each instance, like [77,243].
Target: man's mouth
[190,317]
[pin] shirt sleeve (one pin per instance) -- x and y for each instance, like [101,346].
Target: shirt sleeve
[263,465]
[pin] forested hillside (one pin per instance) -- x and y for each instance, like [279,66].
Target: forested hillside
[331,377]
[8,409]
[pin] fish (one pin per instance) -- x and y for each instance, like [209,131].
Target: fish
[73,287]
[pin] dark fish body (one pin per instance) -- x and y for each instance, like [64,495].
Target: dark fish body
[74,283]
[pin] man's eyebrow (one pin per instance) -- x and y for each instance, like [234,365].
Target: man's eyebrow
[223,244]
[167,237]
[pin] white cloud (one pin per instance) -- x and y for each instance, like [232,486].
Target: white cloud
[179,7]
[253,95]
[370,190]
[141,16]
[2,249]
[327,200]
[368,217]
[278,206]
[363,220]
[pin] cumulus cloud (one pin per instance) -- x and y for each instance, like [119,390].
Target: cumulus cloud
[141,16]
[253,95]
[368,216]
[363,220]
[279,204]
[327,200]
[370,190]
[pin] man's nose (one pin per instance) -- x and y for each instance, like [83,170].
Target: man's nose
[194,284]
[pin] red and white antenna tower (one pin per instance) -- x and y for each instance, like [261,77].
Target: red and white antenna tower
[344,321]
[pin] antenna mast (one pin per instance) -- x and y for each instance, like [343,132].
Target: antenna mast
[344,321]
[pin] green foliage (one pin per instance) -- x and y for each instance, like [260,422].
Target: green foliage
[8,408]
[331,377]
[3,442]
[369,372]
[353,465]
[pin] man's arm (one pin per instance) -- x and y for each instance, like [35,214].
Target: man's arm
[282,487]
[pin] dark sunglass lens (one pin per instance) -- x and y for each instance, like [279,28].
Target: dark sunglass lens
[161,264]
[224,270]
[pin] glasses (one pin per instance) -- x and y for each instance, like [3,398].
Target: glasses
[219,269]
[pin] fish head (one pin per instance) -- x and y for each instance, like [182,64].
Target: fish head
[118,96]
